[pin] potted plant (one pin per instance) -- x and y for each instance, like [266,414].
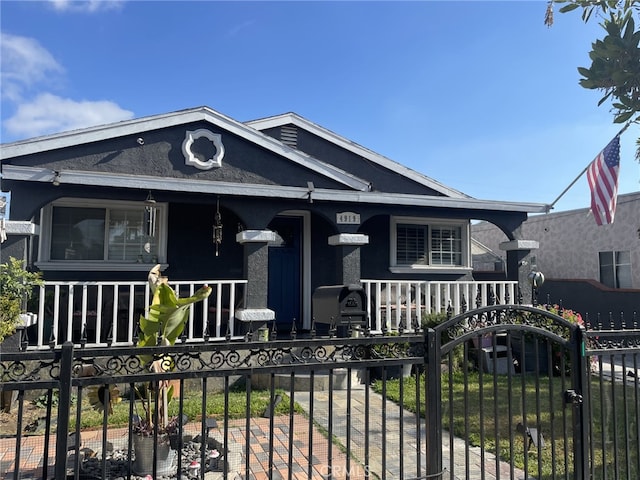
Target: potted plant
[161,325]
[16,288]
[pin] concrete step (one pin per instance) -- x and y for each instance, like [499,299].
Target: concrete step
[302,381]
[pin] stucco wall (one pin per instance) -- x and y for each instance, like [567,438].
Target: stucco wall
[570,241]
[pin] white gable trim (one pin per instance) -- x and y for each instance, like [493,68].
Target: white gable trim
[292,118]
[139,126]
[144,182]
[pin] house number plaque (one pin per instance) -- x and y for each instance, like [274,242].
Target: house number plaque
[347,218]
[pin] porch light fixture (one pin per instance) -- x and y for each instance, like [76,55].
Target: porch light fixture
[311,189]
[56,178]
[217,228]
[150,212]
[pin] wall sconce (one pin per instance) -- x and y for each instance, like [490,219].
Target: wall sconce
[56,178]
[150,212]
[217,228]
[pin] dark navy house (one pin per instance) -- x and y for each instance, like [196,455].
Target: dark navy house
[280,203]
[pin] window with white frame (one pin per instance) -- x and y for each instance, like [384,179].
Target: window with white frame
[615,269]
[429,243]
[101,233]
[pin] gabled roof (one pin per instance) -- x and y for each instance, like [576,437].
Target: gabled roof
[182,117]
[300,122]
[359,193]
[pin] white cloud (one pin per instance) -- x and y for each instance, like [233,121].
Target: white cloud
[25,64]
[27,71]
[87,6]
[49,113]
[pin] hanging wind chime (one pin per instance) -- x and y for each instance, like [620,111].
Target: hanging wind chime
[150,211]
[217,228]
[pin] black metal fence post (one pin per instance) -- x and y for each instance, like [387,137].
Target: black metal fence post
[580,376]
[64,406]
[433,405]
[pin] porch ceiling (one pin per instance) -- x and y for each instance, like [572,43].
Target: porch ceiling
[31,174]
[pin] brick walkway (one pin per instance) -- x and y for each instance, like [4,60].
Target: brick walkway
[31,454]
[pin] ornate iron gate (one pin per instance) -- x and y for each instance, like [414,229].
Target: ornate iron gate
[523,404]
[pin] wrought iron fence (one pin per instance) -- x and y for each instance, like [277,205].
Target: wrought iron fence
[518,392]
[612,412]
[295,407]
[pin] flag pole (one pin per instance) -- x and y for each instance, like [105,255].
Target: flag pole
[550,207]
[567,189]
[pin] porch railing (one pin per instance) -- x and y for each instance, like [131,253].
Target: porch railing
[395,304]
[106,313]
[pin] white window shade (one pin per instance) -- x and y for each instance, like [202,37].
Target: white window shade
[424,243]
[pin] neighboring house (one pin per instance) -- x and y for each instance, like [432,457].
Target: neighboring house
[282,203]
[486,263]
[591,268]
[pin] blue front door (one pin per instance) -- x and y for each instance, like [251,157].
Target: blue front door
[285,285]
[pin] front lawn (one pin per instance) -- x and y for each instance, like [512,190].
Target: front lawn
[495,408]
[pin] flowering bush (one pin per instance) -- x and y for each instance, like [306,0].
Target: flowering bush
[569,315]
[560,354]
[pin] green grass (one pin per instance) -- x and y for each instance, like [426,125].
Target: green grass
[488,416]
[192,407]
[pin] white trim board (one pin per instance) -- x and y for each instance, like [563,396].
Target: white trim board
[12,172]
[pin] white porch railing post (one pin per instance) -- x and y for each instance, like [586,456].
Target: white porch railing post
[93,314]
[98,312]
[411,299]
[70,314]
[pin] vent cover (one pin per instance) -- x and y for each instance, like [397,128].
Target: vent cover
[289,135]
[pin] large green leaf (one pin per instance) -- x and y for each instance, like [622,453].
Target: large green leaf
[166,316]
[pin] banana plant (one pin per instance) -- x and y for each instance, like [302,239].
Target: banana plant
[167,315]
[163,324]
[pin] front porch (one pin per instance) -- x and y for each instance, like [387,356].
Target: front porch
[93,314]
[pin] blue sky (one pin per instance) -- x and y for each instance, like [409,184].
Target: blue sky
[478,95]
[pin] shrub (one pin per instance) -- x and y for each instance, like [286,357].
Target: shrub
[16,288]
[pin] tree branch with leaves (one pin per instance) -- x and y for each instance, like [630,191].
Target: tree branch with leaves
[615,59]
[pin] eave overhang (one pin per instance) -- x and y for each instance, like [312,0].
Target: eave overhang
[75,177]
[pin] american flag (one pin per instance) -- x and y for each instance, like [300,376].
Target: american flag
[602,175]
